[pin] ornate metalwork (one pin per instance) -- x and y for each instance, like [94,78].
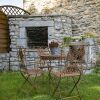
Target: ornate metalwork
[37,36]
[13,10]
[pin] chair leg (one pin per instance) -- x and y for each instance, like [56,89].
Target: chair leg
[35,77]
[27,79]
[23,84]
[76,88]
[57,86]
[75,84]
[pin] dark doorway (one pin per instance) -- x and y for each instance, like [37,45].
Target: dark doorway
[37,36]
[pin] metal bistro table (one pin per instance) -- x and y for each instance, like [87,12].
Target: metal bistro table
[48,59]
[51,58]
[45,55]
[70,70]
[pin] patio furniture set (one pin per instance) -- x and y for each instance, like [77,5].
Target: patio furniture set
[58,66]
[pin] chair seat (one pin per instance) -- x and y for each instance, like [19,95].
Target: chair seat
[62,74]
[34,72]
[70,71]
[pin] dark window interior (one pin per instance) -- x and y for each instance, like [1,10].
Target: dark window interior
[37,36]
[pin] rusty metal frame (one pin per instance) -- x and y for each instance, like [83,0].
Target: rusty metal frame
[13,10]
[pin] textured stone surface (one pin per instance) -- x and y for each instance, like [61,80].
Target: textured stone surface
[86,13]
[85,17]
[36,23]
[18,36]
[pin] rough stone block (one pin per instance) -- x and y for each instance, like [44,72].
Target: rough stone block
[36,23]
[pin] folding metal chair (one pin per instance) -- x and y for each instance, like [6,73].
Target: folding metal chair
[77,53]
[71,70]
[26,73]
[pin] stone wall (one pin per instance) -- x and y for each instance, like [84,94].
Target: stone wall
[86,13]
[98,15]
[4,61]
[18,36]
[58,27]
[85,17]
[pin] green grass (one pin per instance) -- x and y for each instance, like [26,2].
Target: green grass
[10,87]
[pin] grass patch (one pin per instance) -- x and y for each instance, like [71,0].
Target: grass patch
[10,84]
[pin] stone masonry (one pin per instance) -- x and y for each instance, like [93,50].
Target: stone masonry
[86,13]
[63,17]
[18,34]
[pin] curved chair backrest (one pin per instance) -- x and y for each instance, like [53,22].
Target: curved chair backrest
[76,53]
